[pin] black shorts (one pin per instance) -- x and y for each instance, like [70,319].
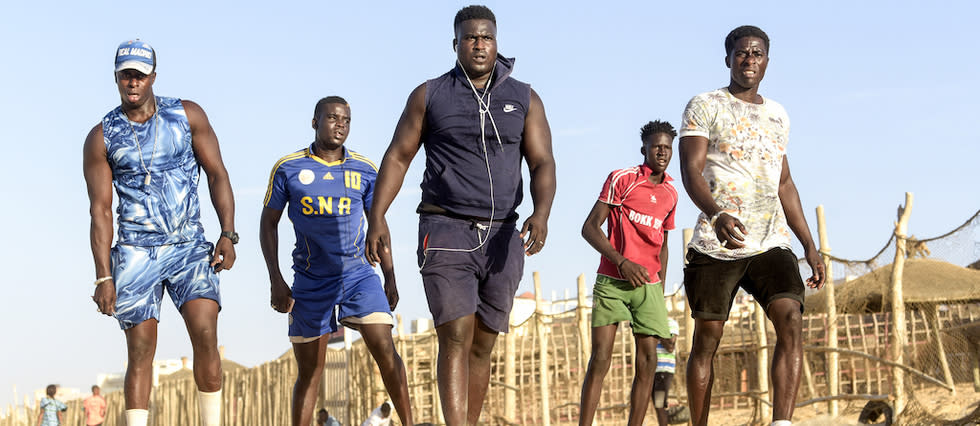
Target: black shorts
[460,281]
[711,284]
[661,388]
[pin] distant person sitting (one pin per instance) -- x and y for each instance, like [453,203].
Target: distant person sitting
[323,418]
[94,407]
[381,416]
[51,409]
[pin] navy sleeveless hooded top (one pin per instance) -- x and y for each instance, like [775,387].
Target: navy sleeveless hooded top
[456,176]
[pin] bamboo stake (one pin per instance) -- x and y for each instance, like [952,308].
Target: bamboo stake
[878,350]
[543,348]
[626,352]
[936,324]
[850,346]
[899,337]
[351,376]
[688,234]
[765,410]
[436,400]
[864,345]
[807,374]
[525,372]
[584,335]
[585,344]
[833,359]
[913,340]
[510,376]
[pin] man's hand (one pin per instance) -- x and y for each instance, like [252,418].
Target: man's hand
[378,240]
[282,296]
[105,297]
[730,231]
[634,273]
[818,277]
[534,233]
[391,291]
[224,254]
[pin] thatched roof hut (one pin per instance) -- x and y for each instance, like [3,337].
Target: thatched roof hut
[185,373]
[923,281]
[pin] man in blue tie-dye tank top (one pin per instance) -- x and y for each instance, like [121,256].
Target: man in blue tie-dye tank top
[151,149]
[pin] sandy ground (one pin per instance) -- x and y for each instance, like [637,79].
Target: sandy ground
[940,402]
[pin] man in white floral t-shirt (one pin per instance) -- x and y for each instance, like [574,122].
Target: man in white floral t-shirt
[735,169]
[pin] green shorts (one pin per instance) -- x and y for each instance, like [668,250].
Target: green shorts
[644,307]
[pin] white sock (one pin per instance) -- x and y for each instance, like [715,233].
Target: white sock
[137,417]
[210,407]
[782,423]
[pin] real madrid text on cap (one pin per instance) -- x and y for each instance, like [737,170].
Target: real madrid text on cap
[137,55]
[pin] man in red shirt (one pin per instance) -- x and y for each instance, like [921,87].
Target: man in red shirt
[638,203]
[94,407]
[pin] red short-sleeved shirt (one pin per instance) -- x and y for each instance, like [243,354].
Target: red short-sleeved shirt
[641,212]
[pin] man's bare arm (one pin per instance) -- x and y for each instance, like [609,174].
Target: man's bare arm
[281,294]
[405,144]
[664,254]
[208,154]
[694,155]
[793,209]
[98,181]
[540,159]
[636,274]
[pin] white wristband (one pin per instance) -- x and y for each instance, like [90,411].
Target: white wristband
[715,218]
[103,279]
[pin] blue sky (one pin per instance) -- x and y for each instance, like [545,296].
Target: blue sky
[881,96]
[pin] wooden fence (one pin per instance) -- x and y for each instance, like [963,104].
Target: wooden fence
[538,368]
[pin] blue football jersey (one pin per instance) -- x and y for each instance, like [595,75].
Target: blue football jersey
[327,204]
[165,209]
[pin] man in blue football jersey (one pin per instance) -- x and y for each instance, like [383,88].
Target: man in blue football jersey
[152,149]
[328,190]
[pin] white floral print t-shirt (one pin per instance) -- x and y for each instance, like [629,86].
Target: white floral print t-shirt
[746,145]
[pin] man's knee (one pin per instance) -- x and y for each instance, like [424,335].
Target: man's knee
[209,380]
[378,341]
[786,317]
[203,336]
[483,342]
[201,319]
[647,362]
[456,337]
[308,373]
[600,362]
[387,358]
[452,335]
[141,352]
[707,336]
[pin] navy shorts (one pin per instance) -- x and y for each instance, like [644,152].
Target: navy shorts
[461,281]
[320,301]
[142,273]
[711,284]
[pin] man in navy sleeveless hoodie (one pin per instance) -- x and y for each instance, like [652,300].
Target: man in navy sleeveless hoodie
[477,124]
[151,149]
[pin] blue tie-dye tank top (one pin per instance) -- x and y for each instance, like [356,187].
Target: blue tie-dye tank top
[166,210]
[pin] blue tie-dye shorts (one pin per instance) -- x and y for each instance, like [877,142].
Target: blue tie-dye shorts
[141,274]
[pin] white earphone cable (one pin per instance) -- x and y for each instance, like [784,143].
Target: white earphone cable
[484,108]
